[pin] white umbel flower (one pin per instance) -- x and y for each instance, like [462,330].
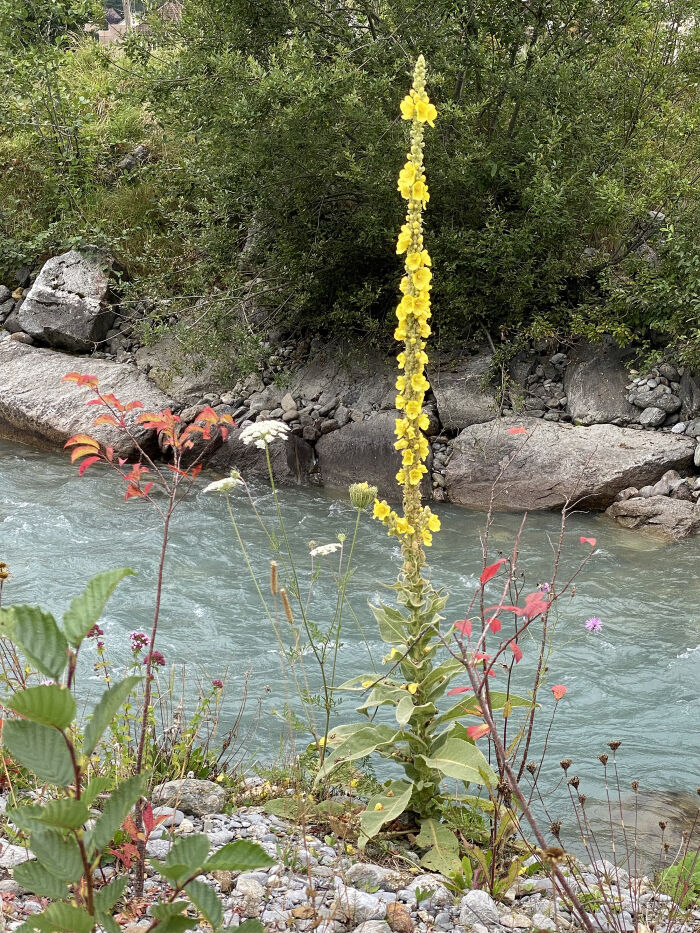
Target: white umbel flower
[263,432]
[324,549]
[224,486]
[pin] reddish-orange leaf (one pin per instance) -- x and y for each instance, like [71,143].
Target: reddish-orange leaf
[516,431]
[224,432]
[491,571]
[590,541]
[132,492]
[109,453]
[82,439]
[455,690]
[111,399]
[106,419]
[558,690]
[208,415]
[147,488]
[227,419]
[464,626]
[476,732]
[534,605]
[195,471]
[79,452]
[495,625]
[121,461]
[517,651]
[130,406]
[81,380]
[87,463]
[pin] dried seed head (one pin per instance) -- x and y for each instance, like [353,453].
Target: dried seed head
[531,767]
[274,587]
[565,763]
[603,759]
[574,782]
[635,786]
[582,799]
[287,606]
[555,828]
[613,746]
[667,846]
[662,825]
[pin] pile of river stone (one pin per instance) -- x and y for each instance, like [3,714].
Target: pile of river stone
[321,884]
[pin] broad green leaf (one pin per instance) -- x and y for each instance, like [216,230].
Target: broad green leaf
[498,701]
[164,911]
[60,917]
[35,878]
[64,813]
[42,749]
[114,811]
[86,609]
[207,902]
[291,808]
[461,760]
[241,855]
[48,704]
[109,924]
[382,695]
[383,808]
[405,708]
[188,852]
[392,624]
[98,785]
[109,894]
[339,734]
[438,679]
[36,633]
[58,853]
[251,926]
[359,744]
[443,846]
[25,818]
[105,711]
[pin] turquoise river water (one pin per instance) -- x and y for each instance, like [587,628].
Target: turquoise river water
[638,681]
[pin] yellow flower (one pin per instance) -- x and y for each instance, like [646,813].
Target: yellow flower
[403,527]
[401,359]
[415,476]
[422,277]
[354,783]
[322,741]
[413,261]
[404,284]
[400,402]
[381,509]
[401,425]
[401,383]
[408,457]
[424,422]
[434,523]
[400,477]
[412,688]
[425,111]
[427,537]
[406,189]
[418,382]
[401,444]
[394,653]
[425,257]
[412,408]
[419,191]
[403,242]
[379,806]
[400,332]
[407,108]
[425,330]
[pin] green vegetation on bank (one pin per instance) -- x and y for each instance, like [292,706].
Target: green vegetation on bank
[564,174]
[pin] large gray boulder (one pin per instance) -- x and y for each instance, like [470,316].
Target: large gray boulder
[190,795]
[292,459]
[68,305]
[365,385]
[37,408]
[363,450]
[457,387]
[595,384]
[670,518]
[553,463]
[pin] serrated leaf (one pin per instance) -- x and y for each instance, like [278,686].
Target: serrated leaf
[188,853]
[35,878]
[241,855]
[38,636]
[383,808]
[98,785]
[107,923]
[60,917]
[108,895]
[461,760]
[58,853]
[207,902]
[391,623]
[359,744]
[443,846]
[42,749]
[48,704]
[105,711]
[86,609]
[115,809]
[64,813]
[164,911]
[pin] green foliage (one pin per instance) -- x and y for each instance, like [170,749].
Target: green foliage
[682,880]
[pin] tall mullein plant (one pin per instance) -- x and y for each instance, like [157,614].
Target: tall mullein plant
[427,744]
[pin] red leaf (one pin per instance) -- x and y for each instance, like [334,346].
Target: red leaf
[148,819]
[495,625]
[86,464]
[590,541]
[491,571]
[130,406]
[517,651]
[224,433]
[82,439]
[476,732]
[535,605]
[195,471]
[516,431]
[132,492]
[455,690]
[465,626]
[147,488]
[558,690]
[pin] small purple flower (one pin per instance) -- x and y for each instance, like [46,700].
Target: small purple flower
[156,658]
[217,684]
[94,632]
[544,588]
[100,645]
[138,641]
[594,624]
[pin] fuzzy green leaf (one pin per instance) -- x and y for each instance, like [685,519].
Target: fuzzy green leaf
[37,635]
[382,695]
[114,811]
[241,855]
[58,853]
[443,846]
[461,760]
[392,624]
[42,749]
[404,709]
[48,704]
[383,808]
[358,744]
[497,698]
[105,711]
[86,609]
[109,894]
[35,878]
[207,902]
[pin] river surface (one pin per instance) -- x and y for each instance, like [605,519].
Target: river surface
[637,682]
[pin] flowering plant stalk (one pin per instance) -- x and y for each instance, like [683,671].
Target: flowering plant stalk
[428,745]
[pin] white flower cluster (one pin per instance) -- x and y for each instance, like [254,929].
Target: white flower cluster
[224,486]
[324,549]
[263,432]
